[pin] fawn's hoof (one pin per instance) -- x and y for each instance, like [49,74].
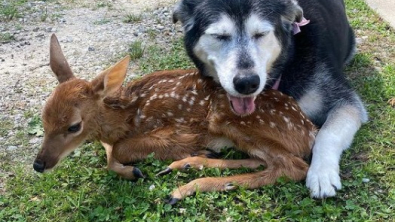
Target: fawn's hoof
[164,172]
[172,200]
[137,173]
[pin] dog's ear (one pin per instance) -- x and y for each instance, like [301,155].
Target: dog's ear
[184,12]
[293,11]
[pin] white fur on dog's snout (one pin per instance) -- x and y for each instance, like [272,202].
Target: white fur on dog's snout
[221,56]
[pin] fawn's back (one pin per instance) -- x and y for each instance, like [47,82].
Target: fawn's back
[192,104]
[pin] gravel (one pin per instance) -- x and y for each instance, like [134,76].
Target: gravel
[91,37]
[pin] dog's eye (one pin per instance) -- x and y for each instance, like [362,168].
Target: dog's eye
[74,128]
[259,35]
[222,37]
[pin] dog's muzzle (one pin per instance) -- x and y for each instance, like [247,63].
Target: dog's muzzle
[246,85]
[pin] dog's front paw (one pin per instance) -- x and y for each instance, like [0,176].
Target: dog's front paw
[323,181]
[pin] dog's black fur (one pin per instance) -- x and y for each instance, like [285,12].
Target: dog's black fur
[328,39]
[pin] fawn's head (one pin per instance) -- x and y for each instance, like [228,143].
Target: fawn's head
[70,114]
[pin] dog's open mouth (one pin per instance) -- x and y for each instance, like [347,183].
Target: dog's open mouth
[242,105]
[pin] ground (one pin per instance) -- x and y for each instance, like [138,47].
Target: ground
[95,34]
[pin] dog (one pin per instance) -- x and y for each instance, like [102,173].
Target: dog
[299,47]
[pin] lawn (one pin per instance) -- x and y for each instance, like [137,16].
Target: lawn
[80,189]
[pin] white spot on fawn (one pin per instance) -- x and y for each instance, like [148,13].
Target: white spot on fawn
[272,125]
[290,126]
[192,101]
[180,120]
[134,99]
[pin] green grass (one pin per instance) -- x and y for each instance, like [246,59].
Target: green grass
[6,37]
[101,21]
[9,10]
[132,18]
[80,189]
[136,50]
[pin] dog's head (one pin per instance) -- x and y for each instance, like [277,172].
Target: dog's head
[238,42]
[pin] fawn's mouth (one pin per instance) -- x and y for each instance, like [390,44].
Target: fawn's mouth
[242,106]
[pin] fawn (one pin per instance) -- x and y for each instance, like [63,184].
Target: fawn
[175,115]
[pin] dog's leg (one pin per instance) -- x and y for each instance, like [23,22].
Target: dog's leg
[289,166]
[127,172]
[198,162]
[335,136]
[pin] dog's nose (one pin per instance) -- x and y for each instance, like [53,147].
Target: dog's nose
[247,84]
[39,166]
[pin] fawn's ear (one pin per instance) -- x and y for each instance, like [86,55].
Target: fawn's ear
[58,62]
[111,79]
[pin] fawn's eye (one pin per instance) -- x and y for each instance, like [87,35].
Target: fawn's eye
[74,128]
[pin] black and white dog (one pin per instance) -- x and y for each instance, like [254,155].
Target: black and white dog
[247,45]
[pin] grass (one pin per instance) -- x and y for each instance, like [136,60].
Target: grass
[101,21]
[9,10]
[136,50]
[6,37]
[132,18]
[90,193]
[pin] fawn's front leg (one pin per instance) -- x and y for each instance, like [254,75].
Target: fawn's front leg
[167,143]
[127,172]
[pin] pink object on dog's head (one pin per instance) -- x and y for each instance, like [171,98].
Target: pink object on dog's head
[296,25]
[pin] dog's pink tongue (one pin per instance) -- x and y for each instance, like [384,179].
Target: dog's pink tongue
[242,106]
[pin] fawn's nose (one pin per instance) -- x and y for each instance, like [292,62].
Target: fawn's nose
[39,166]
[247,84]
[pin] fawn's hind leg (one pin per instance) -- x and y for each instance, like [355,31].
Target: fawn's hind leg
[289,166]
[127,172]
[199,162]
